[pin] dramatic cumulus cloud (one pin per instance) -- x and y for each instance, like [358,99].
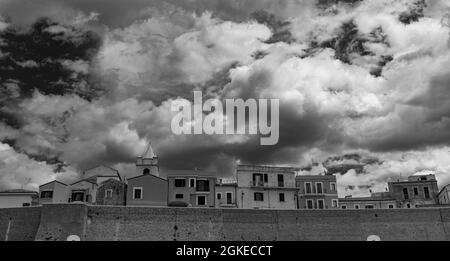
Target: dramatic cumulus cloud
[363,85]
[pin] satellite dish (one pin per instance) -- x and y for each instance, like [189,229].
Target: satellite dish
[73,238]
[373,238]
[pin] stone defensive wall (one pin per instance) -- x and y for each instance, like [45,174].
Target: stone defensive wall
[59,221]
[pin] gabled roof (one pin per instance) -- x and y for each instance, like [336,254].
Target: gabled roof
[52,182]
[87,180]
[105,167]
[140,176]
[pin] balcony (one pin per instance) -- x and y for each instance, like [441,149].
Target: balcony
[258,183]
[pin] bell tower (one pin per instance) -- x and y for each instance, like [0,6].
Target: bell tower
[147,164]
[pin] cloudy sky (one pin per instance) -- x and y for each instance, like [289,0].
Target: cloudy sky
[364,86]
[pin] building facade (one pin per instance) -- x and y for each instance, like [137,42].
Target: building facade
[444,195]
[147,190]
[226,193]
[111,192]
[416,191]
[317,192]
[266,187]
[18,198]
[54,192]
[193,187]
[367,203]
[83,191]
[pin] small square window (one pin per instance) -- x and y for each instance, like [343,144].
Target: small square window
[333,186]
[180,183]
[219,196]
[258,196]
[47,194]
[335,203]
[137,193]
[108,193]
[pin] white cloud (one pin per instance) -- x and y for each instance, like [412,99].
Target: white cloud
[18,170]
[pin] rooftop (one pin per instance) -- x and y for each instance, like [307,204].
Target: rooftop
[266,168]
[18,192]
[190,173]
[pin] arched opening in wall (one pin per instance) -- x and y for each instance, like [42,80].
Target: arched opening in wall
[146,172]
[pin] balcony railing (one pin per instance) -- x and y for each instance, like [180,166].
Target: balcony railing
[257,183]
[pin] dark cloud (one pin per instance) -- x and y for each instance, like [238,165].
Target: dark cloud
[92,83]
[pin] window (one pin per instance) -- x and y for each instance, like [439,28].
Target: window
[202,185]
[108,193]
[308,188]
[309,204]
[369,207]
[335,203]
[47,194]
[179,196]
[219,195]
[258,179]
[280,180]
[408,205]
[426,191]
[416,191]
[258,196]
[229,197]
[77,196]
[390,206]
[266,178]
[356,206]
[423,178]
[344,207]
[201,200]
[281,196]
[320,204]
[180,183]
[192,183]
[25,204]
[146,171]
[137,193]
[333,186]
[405,193]
[319,188]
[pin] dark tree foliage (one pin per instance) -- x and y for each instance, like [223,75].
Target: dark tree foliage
[45,50]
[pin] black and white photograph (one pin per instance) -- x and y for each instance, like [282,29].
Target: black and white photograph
[250,121]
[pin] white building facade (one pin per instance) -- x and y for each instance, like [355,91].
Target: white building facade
[266,187]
